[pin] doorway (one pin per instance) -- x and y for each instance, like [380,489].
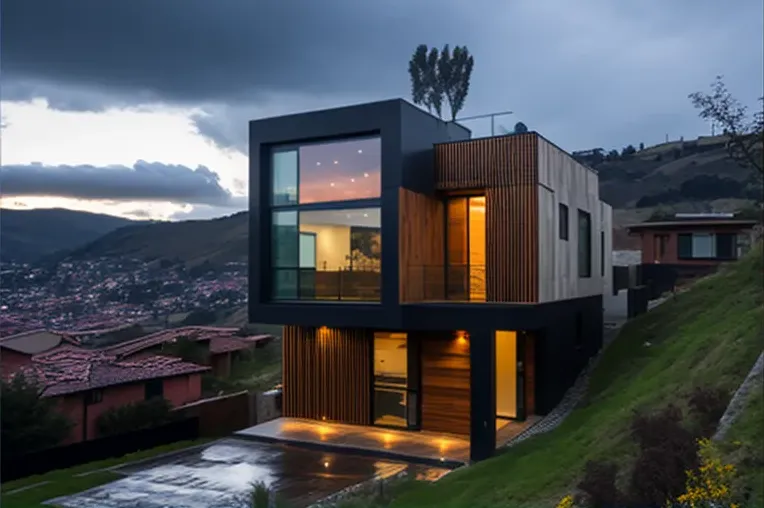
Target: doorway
[395,395]
[466,259]
[515,372]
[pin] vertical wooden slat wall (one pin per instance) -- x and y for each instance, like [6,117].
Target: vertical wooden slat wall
[327,374]
[506,169]
[421,243]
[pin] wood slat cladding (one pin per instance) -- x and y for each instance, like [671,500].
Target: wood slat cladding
[512,247]
[445,385]
[327,374]
[499,161]
[421,244]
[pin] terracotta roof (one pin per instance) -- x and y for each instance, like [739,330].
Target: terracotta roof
[221,340]
[71,370]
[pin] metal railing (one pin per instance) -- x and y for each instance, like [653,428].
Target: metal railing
[453,282]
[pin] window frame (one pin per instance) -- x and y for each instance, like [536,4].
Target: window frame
[563,226]
[715,237]
[585,269]
[153,383]
[298,208]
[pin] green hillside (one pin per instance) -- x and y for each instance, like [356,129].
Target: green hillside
[218,241]
[709,336]
[28,235]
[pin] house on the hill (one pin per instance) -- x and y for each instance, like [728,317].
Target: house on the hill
[218,346]
[694,240]
[17,350]
[87,383]
[427,281]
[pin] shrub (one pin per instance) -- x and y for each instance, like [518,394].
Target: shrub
[667,451]
[707,405]
[599,485]
[710,484]
[134,416]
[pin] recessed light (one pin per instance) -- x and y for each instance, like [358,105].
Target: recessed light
[352,179]
[366,215]
[336,162]
[366,175]
[318,163]
[360,151]
[331,184]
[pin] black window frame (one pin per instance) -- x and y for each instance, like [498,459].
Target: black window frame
[563,221]
[353,204]
[685,250]
[585,243]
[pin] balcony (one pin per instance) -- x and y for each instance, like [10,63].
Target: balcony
[432,283]
[360,284]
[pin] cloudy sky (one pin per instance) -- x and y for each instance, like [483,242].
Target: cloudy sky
[139,108]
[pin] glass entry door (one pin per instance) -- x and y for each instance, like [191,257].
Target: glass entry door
[394,399]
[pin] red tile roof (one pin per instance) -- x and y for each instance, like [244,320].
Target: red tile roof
[71,370]
[222,340]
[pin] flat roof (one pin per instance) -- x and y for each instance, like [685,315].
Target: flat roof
[693,222]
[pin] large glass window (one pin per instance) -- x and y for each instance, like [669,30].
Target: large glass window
[390,379]
[321,249]
[340,171]
[327,254]
[707,246]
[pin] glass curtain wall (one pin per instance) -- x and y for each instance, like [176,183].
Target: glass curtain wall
[465,273]
[391,379]
[326,238]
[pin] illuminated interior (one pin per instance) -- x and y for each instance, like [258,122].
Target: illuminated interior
[506,374]
[390,379]
[466,248]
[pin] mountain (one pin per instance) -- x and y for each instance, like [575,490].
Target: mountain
[217,241]
[28,235]
[687,176]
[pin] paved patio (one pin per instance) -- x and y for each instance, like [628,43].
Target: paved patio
[414,446]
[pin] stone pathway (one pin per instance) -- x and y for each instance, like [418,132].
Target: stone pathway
[751,382]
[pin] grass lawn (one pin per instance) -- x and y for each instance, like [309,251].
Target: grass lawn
[709,336]
[69,481]
[258,371]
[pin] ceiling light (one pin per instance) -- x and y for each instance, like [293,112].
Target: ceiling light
[366,215]
[352,180]
[336,162]
[366,175]
[331,184]
[360,151]
[318,163]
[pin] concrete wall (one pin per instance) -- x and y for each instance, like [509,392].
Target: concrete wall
[563,180]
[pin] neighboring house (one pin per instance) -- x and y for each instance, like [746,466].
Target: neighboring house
[88,383]
[426,281]
[700,240]
[17,350]
[219,345]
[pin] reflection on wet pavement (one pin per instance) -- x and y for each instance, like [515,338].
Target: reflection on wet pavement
[221,475]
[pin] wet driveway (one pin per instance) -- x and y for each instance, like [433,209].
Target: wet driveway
[220,476]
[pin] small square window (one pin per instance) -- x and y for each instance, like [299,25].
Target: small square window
[564,223]
[154,388]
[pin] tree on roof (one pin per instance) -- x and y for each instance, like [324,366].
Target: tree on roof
[29,422]
[438,75]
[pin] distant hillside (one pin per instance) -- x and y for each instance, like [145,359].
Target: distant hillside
[218,241]
[28,235]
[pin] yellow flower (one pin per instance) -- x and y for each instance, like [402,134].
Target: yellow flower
[566,502]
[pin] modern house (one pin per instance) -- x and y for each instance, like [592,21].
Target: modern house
[694,240]
[426,281]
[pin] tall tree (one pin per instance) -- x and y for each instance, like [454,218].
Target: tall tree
[437,75]
[746,134]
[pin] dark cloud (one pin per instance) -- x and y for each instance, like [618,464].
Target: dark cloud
[145,181]
[585,73]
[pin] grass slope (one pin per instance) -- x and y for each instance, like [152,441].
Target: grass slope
[710,335]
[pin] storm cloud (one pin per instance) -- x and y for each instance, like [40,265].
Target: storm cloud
[144,181]
[585,73]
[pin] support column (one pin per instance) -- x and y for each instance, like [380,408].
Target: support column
[482,394]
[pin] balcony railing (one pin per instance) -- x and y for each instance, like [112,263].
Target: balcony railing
[462,283]
[357,284]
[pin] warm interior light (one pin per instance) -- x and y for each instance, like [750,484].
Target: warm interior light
[461,336]
[326,464]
